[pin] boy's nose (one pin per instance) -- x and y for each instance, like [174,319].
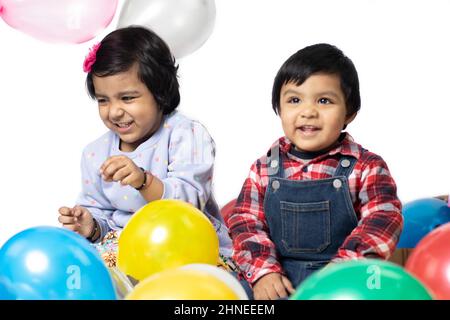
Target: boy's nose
[308,111]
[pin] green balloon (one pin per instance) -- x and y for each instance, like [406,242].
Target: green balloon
[366,279]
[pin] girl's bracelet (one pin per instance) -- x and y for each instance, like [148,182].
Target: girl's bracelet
[94,231]
[145,183]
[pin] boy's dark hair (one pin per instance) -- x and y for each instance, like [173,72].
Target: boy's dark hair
[319,58]
[120,49]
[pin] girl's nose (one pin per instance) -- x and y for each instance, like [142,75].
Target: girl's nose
[115,111]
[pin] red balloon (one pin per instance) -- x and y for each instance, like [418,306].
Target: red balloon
[227,209]
[430,262]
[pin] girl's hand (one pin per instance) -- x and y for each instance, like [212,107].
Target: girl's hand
[443,197]
[272,286]
[77,219]
[123,170]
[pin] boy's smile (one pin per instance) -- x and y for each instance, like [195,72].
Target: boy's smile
[313,114]
[127,107]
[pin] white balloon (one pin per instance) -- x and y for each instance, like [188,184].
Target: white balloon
[220,274]
[183,24]
[121,282]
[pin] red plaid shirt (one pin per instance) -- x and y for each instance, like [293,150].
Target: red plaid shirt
[373,193]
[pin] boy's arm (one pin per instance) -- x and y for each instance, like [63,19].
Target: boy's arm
[253,250]
[381,222]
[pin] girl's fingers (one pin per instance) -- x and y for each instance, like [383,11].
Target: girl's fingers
[121,174]
[77,211]
[112,160]
[67,220]
[72,227]
[112,168]
[65,211]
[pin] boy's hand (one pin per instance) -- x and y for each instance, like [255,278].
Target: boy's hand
[272,286]
[123,169]
[77,219]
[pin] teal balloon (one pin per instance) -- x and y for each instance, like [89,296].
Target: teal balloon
[367,279]
[49,263]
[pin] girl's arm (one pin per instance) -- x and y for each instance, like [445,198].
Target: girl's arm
[190,166]
[153,188]
[93,199]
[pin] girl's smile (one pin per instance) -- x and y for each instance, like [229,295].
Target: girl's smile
[127,107]
[124,127]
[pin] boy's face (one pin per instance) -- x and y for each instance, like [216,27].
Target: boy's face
[127,107]
[314,113]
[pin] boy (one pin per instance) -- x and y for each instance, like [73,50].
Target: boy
[317,196]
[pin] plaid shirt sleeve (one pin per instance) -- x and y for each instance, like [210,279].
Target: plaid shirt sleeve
[253,250]
[381,222]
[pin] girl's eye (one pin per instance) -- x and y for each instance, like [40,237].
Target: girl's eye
[294,100]
[324,101]
[101,101]
[127,98]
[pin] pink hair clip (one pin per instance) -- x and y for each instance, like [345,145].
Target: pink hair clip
[90,58]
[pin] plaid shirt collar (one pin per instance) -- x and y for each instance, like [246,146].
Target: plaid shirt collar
[347,147]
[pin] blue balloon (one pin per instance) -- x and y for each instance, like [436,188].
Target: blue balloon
[6,290]
[421,217]
[49,263]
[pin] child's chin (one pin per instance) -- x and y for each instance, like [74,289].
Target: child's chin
[307,147]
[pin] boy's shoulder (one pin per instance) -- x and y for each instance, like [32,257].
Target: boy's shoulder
[364,156]
[281,143]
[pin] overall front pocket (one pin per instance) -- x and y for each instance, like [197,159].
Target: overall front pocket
[305,226]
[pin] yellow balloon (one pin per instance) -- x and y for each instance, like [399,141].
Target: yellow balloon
[182,284]
[165,234]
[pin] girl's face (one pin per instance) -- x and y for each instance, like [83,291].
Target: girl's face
[127,107]
[313,113]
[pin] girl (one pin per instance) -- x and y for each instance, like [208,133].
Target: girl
[150,151]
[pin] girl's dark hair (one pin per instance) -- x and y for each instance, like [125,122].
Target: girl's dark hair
[319,58]
[120,49]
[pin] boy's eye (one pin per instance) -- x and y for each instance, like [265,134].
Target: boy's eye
[324,101]
[101,101]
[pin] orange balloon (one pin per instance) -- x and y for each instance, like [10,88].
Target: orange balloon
[182,284]
[166,234]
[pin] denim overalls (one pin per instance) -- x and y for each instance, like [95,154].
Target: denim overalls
[308,219]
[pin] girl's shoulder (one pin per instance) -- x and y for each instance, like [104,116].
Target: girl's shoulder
[180,123]
[102,144]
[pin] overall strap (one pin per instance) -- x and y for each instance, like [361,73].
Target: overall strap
[345,166]
[273,162]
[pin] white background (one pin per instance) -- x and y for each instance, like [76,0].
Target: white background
[401,49]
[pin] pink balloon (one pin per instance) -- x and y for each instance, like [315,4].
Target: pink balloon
[63,21]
